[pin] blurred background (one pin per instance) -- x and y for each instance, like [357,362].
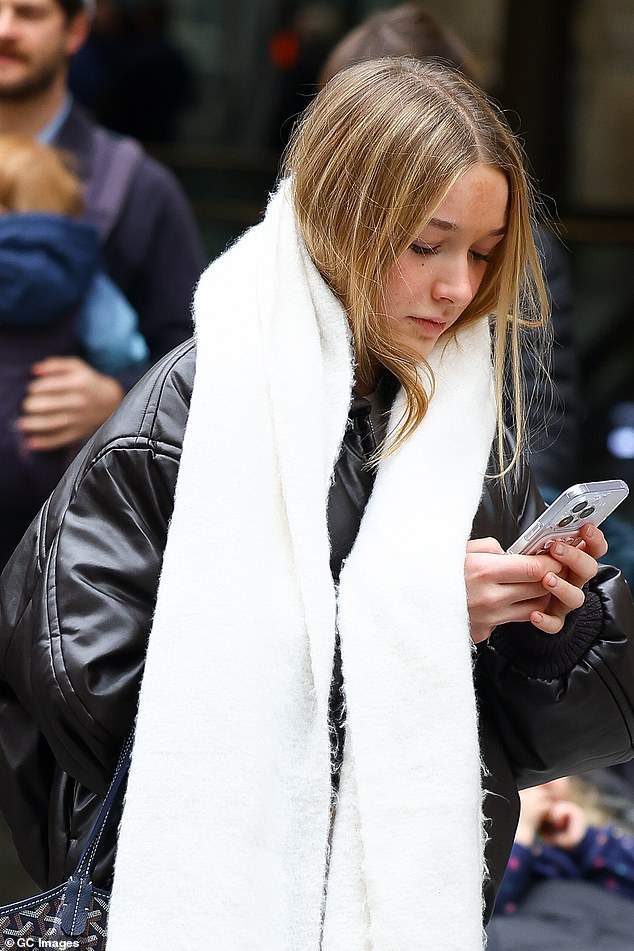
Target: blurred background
[212,86]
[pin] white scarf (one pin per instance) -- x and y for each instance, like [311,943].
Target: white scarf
[224,837]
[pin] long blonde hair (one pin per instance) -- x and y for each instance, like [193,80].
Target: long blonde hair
[374,154]
[36,177]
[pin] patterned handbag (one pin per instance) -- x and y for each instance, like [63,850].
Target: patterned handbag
[75,914]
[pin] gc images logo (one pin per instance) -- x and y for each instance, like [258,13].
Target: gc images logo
[37,943]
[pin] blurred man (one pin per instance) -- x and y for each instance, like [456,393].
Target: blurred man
[150,242]
[151,245]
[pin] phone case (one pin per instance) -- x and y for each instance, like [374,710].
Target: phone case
[578,505]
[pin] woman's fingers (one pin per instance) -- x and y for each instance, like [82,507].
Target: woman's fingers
[579,565]
[594,541]
[569,594]
[565,597]
[542,589]
[580,561]
[565,589]
[503,587]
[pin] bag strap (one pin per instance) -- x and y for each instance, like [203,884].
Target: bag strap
[116,159]
[76,899]
[115,791]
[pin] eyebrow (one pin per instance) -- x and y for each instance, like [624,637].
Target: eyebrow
[452,226]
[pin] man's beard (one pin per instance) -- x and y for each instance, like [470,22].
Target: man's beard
[31,85]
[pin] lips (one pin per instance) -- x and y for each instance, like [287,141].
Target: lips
[429,325]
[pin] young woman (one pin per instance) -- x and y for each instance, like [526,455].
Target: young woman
[322,757]
[555,411]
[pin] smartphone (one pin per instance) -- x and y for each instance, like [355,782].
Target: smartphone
[578,505]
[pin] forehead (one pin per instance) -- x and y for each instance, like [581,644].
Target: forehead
[478,199]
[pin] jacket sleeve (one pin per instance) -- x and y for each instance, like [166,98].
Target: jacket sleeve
[77,598]
[562,703]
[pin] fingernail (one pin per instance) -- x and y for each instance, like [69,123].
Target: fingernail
[551,581]
[559,549]
[589,531]
[538,618]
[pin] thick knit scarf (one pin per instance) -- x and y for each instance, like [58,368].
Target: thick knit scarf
[226,839]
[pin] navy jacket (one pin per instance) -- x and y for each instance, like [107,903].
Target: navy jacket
[47,264]
[154,252]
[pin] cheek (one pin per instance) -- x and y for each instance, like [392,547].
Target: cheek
[478,274]
[402,286]
[392,299]
[391,291]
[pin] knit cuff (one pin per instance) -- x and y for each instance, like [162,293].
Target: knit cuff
[547,656]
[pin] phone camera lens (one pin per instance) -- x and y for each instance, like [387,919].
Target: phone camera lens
[587,512]
[579,506]
[565,521]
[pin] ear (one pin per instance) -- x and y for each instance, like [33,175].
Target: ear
[76,32]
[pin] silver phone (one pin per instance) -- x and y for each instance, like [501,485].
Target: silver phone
[577,506]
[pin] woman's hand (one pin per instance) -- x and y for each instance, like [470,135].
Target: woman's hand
[579,565]
[541,589]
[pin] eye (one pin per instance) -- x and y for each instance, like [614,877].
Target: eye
[423,249]
[478,256]
[27,12]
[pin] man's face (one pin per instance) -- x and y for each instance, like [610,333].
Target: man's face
[36,41]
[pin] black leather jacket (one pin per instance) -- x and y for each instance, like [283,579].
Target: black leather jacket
[76,603]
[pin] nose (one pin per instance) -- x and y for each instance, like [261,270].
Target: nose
[7,21]
[455,284]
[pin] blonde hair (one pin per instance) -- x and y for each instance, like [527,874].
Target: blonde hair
[35,177]
[374,154]
[585,793]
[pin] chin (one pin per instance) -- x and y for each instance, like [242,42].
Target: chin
[423,350]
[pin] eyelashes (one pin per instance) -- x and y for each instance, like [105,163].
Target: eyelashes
[426,250]
[478,256]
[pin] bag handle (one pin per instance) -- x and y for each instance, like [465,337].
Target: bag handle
[76,899]
[89,854]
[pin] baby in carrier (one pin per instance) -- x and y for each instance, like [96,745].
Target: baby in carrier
[55,299]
